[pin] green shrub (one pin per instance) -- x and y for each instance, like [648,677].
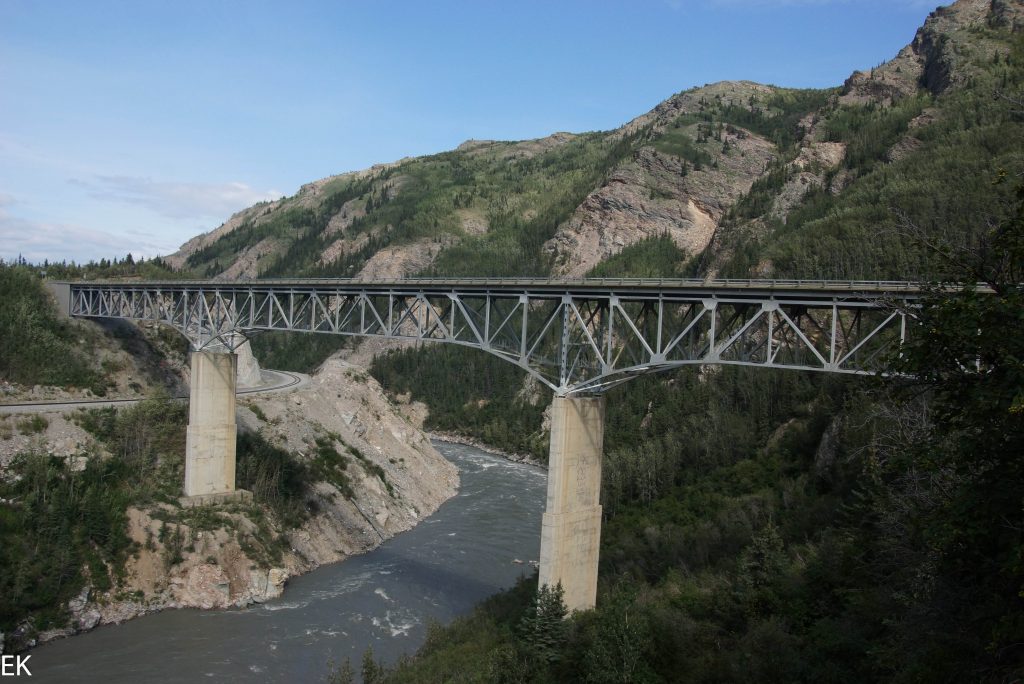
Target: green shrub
[274,477]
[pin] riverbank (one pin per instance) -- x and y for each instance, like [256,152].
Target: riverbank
[454,438]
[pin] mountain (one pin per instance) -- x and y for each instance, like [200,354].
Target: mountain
[720,170]
[558,204]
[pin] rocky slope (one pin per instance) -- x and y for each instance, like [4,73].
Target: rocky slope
[654,190]
[408,478]
[659,194]
[231,555]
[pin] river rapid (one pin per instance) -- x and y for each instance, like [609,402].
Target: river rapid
[384,599]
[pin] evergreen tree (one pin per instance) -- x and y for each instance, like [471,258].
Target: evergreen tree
[543,629]
[341,674]
[372,671]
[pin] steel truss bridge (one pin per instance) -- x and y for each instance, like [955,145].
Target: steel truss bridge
[575,336]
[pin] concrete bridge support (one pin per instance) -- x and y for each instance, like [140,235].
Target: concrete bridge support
[571,531]
[210,439]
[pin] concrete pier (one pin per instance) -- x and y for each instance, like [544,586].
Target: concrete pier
[210,439]
[571,531]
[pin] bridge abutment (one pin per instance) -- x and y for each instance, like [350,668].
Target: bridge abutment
[571,530]
[210,438]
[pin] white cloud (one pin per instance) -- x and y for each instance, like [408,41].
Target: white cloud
[177,200]
[38,240]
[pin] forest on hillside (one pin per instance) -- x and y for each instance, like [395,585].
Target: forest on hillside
[775,526]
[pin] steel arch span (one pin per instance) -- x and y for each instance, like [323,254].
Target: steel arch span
[575,336]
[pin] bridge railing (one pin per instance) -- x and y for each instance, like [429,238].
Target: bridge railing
[664,284]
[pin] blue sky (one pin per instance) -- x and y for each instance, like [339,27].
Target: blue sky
[133,126]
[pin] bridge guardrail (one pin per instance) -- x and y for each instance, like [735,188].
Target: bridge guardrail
[665,284]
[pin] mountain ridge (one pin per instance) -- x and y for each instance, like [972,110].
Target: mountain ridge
[681,169]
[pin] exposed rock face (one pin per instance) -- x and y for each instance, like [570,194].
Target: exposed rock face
[309,195]
[654,194]
[344,245]
[691,102]
[936,59]
[348,214]
[362,354]
[344,400]
[825,456]
[206,586]
[399,261]
[809,170]
[248,366]
[213,570]
[61,437]
[888,83]
[248,265]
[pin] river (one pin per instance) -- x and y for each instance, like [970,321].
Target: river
[384,599]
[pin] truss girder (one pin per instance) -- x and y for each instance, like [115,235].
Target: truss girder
[572,340]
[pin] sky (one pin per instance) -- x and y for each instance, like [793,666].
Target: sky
[134,126]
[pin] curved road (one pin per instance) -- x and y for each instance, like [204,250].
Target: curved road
[273,381]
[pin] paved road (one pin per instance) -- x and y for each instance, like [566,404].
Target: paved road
[580,287]
[273,381]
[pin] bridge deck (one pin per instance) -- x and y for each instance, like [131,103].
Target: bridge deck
[644,283]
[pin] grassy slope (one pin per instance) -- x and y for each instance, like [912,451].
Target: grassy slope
[521,193]
[32,336]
